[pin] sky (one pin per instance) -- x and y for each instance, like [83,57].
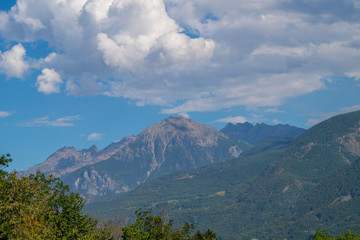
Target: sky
[90,72]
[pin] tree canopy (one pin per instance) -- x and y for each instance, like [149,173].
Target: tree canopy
[149,227]
[41,207]
[322,235]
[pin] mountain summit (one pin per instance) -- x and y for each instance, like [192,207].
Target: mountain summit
[174,144]
[180,127]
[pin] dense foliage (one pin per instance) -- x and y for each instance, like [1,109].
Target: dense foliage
[41,207]
[322,235]
[149,227]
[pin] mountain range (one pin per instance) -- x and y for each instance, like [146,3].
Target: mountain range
[238,181]
[174,144]
[281,188]
[255,133]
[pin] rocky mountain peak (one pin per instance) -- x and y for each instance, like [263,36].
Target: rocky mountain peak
[92,149]
[180,122]
[173,144]
[180,127]
[65,149]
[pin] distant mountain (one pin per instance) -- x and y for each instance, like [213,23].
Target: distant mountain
[268,192]
[183,187]
[174,144]
[68,159]
[255,133]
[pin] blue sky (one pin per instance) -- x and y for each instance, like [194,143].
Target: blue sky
[84,72]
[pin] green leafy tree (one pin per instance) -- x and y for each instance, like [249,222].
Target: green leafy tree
[322,235]
[4,163]
[149,227]
[208,235]
[349,236]
[41,207]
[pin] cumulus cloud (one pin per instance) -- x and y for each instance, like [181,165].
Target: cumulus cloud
[145,35]
[259,92]
[49,81]
[12,62]
[188,55]
[4,114]
[67,121]
[95,136]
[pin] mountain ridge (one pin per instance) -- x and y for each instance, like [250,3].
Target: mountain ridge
[69,159]
[176,143]
[253,209]
[173,144]
[255,133]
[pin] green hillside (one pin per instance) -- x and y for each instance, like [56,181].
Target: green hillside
[262,194]
[333,205]
[182,188]
[310,158]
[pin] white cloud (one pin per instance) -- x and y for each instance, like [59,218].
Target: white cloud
[350,109]
[95,136]
[67,121]
[314,121]
[275,121]
[258,92]
[242,52]
[12,62]
[4,114]
[355,75]
[49,81]
[237,119]
[146,35]
[274,110]
[325,116]
[284,51]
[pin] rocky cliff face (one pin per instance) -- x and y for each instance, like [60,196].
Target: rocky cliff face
[174,144]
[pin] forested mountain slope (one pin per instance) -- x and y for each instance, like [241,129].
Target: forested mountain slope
[182,188]
[251,206]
